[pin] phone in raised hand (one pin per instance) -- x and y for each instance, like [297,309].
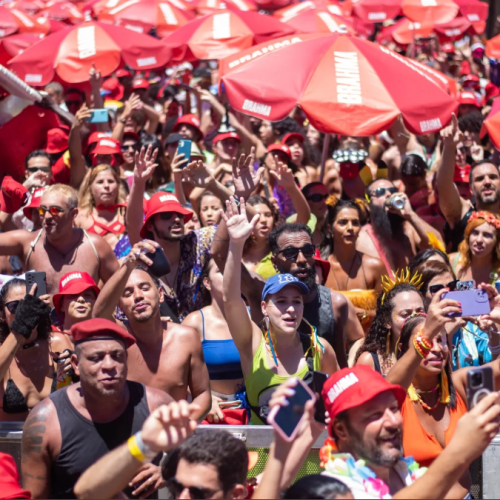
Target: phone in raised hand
[184,148]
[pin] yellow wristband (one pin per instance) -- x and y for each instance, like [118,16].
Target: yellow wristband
[135,450]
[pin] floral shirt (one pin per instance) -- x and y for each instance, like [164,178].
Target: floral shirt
[190,294]
[470,347]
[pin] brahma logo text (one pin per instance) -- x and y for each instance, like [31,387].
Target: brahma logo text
[105,142]
[72,276]
[256,107]
[347,74]
[168,197]
[86,42]
[343,384]
[428,125]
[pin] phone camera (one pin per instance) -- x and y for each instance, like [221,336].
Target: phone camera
[476,380]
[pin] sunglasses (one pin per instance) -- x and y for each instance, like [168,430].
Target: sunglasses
[291,253]
[169,215]
[378,192]
[54,210]
[452,285]
[176,488]
[129,147]
[12,306]
[32,170]
[73,103]
[317,197]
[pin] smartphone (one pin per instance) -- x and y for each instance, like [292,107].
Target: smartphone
[39,278]
[99,115]
[160,266]
[286,419]
[319,379]
[184,148]
[474,302]
[479,384]
[465,285]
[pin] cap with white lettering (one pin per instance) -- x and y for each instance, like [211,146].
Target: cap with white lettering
[74,283]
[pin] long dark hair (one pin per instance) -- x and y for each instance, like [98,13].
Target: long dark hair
[404,345]
[376,338]
[44,327]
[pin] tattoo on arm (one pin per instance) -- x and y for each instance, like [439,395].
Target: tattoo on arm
[34,431]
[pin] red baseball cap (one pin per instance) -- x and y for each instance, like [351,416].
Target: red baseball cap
[461,174]
[226,135]
[73,283]
[9,479]
[114,90]
[491,90]
[163,202]
[57,141]
[325,265]
[34,202]
[100,329]
[467,97]
[188,120]
[123,72]
[471,78]
[448,48]
[280,147]
[140,83]
[107,146]
[292,136]
[131,135]
[351,387]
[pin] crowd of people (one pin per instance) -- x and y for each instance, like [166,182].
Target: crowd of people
[147,294]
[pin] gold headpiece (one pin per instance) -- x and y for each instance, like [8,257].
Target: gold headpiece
[400,276]
[332,200]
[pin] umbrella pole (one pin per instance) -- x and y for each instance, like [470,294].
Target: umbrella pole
[324,154]
[413,43]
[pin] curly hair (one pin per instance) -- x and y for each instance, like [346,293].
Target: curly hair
[464,248]
[376,338]
[87,202]
[404,345]
[44,327]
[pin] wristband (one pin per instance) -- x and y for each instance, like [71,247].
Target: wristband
[422,345]
[494,349]
[139,450]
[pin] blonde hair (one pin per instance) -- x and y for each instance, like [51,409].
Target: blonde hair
[87,202]
[70,194]
[464,248]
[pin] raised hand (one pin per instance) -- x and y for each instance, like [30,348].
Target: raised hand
[451,134]
[238,227]
[245,179]
[494,298]
[145,164]
[37,179]
[283,174]
[81,115]
[94,77]
[437,314]
[197,174]
[133,102]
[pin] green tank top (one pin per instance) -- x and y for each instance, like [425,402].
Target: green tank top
[261,377]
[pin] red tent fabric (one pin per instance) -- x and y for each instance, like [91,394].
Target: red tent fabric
[344,85]
[13,45]
[430,11]
[377,11]
[15,21]
[319,21]
[491,125]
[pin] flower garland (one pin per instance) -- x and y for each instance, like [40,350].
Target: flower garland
[487,217]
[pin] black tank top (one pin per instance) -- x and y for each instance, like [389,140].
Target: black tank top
[454,236]
[83,442]
[319,313]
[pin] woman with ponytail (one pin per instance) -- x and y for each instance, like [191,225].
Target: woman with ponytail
[356,275]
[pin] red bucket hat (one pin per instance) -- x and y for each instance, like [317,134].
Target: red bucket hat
[292,136]
[467,97]
[280,147]
[100,329]
[140,83]
[163,202]
[461,174]
[107,146]
[351,387]
[73,283]
[123,72]
[36,197]
[114,90]
[188,120]
[57,141]
[226,135]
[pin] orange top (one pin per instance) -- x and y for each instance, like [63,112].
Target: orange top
[417,443]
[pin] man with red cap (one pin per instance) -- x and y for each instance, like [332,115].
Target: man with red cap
[189,127]
[77,425]
[167,356]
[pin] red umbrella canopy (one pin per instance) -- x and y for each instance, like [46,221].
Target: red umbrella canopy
[319,21]
[205,7]
[28,6]
[405,30]
[473,10]
[493,47]
[430,11]
[223,33]
[99,6]
[70,53]
[63,11]
[339,9]
[344,85]
[142,15]
[14,21]
[491,125]
[13,45]
[376,11]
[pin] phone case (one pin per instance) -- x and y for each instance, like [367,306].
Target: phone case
[184,148]
[271,418]
[474,302]
[99,115]
[160,265]
[319,379]
[39,278]
[477,391]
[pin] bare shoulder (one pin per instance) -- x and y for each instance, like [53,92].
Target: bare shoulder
[192,320]
[366,359]
[156,398]
[41,427]
[182,333]
[83,221]
[99,242]
[338,300]
[373,263]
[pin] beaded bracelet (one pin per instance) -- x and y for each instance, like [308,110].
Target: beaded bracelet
[422,345]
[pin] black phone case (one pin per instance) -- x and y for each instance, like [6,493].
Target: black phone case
[38,277]
[161,265]
[319,378]
[475,394]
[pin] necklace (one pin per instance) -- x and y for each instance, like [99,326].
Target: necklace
[425,406]
[429,391]
[348,274]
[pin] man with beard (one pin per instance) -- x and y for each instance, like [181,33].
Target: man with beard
[394,235]
[75,426]
[484,184]
[166,356]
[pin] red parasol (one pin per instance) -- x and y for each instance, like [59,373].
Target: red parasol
[430,11]
[344,84]
[493,47]
[28,6]
[319,21]
[223,33]
[205,7]
[14,21]
[13,45]
[142,15]
[376,11]
[63,11]
[454,30]
[491,125]
[273,4]
[405,30]
[70,53]
[474,10]
[339,9]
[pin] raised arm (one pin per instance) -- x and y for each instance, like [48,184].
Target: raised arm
[133,102]
[13,242]
[239,323]
[143,170]
[78,168]
[452,205]
[97,101]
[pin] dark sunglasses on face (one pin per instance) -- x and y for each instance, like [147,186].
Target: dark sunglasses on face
[12,306]
[291,253]
[176,488]
[128,147]
[169,215]
[452,285]
[378,192]
[73,103]
[54,210]
[32,170]
[317,197]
